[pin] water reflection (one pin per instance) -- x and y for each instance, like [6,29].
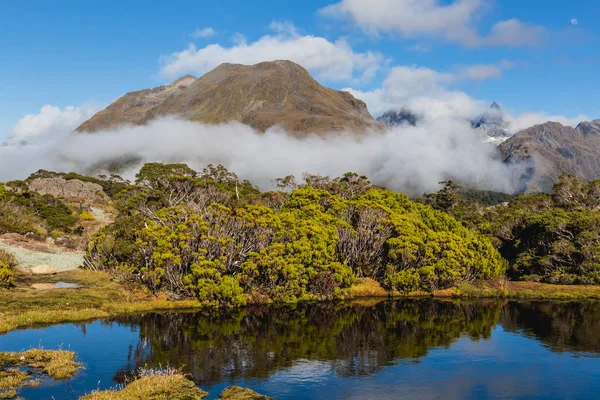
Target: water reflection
[413,349]
[562,326]
[354,339]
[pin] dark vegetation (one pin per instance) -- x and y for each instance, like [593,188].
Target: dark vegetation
[551,238]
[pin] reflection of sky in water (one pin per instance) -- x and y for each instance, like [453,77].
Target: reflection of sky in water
[506,366]
[103,349]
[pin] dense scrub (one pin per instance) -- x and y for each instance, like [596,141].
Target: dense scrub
[552,238]
[7,264]
[210,236]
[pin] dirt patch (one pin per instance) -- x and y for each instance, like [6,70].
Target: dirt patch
[57,285]
[31,253]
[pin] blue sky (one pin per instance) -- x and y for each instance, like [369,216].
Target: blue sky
[530,56]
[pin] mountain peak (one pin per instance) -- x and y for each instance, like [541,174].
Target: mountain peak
[589,127]
[183,81]
[263,95]
[495,106]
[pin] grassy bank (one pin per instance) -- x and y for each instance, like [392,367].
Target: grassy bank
[99,297]
[526,291]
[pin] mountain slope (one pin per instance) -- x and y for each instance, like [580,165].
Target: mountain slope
[263,95]
[551,149]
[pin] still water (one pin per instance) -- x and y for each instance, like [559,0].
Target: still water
[409,349]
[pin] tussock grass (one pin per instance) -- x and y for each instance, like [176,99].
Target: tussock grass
[239,393]
[23,369]
[154,384]
[167,384]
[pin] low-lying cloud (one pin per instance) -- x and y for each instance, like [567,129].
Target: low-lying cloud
[410,159]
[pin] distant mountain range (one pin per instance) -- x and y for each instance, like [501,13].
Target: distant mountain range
[274,93]
[282,93]
[551,149]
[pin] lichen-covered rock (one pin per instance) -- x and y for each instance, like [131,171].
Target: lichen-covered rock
[72,190]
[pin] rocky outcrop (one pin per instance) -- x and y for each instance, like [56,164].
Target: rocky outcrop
[397,118]
[72,190]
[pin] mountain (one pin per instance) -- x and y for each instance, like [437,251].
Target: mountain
[549,150]
[263,95]
[492,125]
[397,118]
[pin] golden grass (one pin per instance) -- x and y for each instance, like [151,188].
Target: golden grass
[57,364]
[367,287]
[500,288]
[239,393]
[153,385]
[495,288]
[168,384]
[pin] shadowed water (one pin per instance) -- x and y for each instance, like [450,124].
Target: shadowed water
[409,349]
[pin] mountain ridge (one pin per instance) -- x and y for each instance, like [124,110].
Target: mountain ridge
[277,93]
[551,149]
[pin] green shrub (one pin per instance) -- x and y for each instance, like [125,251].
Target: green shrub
[310,245]
[7,263]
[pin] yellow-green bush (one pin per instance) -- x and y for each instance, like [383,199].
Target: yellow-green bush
[85,216]
[7,263]
[311,245]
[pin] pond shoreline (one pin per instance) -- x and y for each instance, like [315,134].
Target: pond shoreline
[99,296]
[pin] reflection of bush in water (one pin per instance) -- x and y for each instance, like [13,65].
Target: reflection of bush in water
[356,340]
[562,326]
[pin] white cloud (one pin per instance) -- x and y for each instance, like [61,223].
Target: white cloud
[425,88]
[481,72]
[420,48]
[429,94]
[203,33]
[412,159]
[50,121]
[333,61]
[515,33]
[453,21]
[574,21]
[529,119]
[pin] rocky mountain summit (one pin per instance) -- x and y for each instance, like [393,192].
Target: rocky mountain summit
[397,118]
[549,150]
[491,125]
[278,93]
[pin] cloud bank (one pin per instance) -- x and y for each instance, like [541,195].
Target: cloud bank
[410,159]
